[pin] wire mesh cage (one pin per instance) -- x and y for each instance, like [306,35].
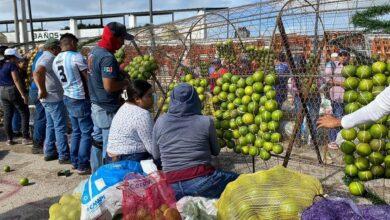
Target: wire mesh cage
[305,44]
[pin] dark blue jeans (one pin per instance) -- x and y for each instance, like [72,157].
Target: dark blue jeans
[102,119]
[210,186]
[16,122]
[96,151]
[82,127]
[39,130]
[338,111]
[135,157]
[56,130]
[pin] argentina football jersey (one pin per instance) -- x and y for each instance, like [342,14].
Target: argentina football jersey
[67,67]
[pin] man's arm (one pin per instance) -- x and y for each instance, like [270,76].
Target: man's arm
[39,79]
[81,65]
[111,75]
[112,85]
[372,112]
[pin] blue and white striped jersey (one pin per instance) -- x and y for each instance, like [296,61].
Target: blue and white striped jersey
[68,66]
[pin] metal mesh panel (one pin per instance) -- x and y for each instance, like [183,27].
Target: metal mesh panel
[306,34]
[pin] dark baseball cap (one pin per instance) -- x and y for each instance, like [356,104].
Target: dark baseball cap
[119,30]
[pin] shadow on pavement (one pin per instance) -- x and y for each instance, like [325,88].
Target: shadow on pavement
[3,153]
[33,210]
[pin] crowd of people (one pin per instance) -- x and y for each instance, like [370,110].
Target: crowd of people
[106,128]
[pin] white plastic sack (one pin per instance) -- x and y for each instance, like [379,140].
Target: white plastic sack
[79,188]
[102,198]
[197,208]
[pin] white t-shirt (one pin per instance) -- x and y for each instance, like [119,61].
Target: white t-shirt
[369,113]
[52,84]
[67,67]
[130,131]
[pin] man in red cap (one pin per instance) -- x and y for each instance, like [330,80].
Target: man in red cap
[106,83]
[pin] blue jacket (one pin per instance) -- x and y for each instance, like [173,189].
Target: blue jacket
[183,137]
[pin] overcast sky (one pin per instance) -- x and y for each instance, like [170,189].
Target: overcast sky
[56,8]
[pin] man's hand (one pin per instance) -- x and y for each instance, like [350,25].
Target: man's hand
[25,99]
[42,94]
[328,121]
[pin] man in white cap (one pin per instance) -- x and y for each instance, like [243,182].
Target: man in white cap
[334,57]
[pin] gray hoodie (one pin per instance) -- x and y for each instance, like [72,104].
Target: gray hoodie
[183,137]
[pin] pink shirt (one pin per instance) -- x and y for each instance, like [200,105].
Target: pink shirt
[336,92]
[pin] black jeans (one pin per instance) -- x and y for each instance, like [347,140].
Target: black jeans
[11,99]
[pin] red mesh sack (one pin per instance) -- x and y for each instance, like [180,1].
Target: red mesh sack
[148,198]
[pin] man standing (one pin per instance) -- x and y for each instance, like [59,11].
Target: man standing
[71,69]
[39,115]
[50,94]
[106,82]
[336,91]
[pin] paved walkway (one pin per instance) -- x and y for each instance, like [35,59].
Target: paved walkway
[34,200]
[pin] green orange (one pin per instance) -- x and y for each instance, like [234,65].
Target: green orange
[356,188]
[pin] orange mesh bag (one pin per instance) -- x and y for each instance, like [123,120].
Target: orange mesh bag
[148,198]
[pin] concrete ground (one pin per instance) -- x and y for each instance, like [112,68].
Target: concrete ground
[34,200]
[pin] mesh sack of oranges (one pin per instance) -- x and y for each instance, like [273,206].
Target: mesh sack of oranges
[277,193]
[148,198]
[68,208]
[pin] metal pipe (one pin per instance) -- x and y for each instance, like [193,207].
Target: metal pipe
[16,22]
[315,46]
[31,22]
[24,23]
[151,11]
[101,13]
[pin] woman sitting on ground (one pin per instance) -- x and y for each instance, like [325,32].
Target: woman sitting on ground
[184,139]
[130,135]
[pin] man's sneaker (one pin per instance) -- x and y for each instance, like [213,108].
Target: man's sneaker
[82,172]
[26,141]
[50,158]
[10,142]
[64,161]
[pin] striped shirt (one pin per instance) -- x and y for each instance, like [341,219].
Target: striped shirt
[67,67]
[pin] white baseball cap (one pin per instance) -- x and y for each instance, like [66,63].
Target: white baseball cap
[334,55]
[12,52]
